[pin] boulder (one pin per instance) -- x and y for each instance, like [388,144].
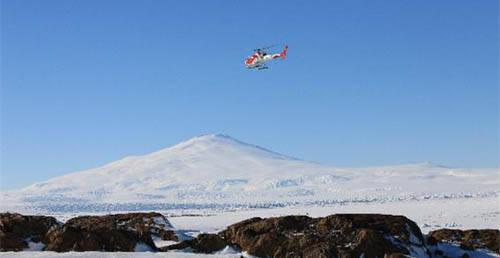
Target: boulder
[120,232]
[469,239]
[17,230]
[342,235]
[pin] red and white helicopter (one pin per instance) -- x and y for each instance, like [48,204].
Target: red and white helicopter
[260,57]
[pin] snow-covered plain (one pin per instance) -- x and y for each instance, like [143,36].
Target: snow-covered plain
[225,180]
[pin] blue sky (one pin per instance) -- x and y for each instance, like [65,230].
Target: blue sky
[366,83]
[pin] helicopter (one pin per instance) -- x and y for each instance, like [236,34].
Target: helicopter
[260,57]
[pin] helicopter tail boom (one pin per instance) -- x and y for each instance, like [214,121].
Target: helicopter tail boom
[282,54]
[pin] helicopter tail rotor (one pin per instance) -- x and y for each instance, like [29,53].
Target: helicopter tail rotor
[283,54]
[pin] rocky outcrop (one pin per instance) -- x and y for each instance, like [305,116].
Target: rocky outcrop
[467,239]
[121,232]
[343,235]
[17,231]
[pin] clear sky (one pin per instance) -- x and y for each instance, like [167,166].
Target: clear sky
[366,83]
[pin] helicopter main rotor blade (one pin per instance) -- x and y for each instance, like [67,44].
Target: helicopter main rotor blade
[263,48]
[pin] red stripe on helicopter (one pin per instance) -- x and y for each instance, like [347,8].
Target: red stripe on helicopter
[251,59]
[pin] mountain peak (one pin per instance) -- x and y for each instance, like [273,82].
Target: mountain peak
[206,139]
[220,142]
[211,137]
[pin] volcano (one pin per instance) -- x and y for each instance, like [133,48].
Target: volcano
[220,171]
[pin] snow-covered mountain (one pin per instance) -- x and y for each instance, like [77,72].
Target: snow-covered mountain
[218,171]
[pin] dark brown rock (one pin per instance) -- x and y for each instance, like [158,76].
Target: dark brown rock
[469,239]
[121,232]
[203,243]
[15,229]
[343,235]
[11,242]
[168,235]
[431,241]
